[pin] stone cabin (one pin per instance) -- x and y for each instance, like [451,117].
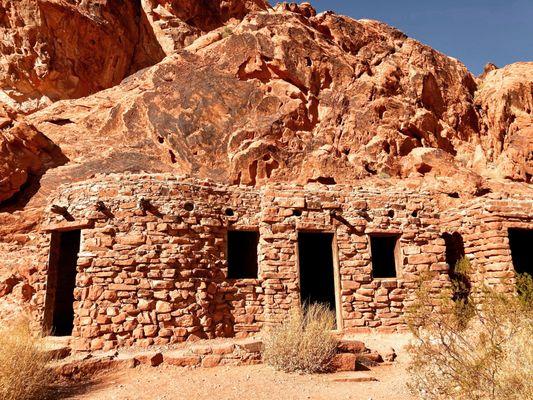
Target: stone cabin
[145,259]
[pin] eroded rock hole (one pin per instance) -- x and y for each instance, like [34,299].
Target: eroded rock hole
[242,254]
[60,121]
[188,206]
[229,212]
[172,157]
[424,168]
[326,180]
[61,281]
[297,213]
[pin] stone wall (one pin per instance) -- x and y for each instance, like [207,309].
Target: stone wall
[483,224]
[153,270]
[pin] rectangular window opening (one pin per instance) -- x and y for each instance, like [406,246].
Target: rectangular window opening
[242,254]
[384,250]
[521,243]
[61,282]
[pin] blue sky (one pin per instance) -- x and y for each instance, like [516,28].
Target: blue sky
[474,31]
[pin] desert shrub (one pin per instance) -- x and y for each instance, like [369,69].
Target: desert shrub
[461,288]
[226,32]
[23,365]
[524,288]
[487,355]
[304,342]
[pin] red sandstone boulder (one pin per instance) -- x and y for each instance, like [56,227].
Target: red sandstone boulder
[505,99]
[24,152]
[344,362]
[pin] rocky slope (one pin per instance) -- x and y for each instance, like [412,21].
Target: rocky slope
[288,95]
[242,93]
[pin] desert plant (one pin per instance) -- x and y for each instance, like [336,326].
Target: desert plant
[461,288]
[488,355]
[226,32]
[24,374]
[524,288]
[304,342]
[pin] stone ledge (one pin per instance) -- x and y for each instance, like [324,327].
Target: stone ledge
[204,355]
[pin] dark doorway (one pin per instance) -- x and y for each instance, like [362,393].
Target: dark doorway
[62,281]
[455,248]
[242,254]
[455,252]
[384,248]
[521,243]
[317,282]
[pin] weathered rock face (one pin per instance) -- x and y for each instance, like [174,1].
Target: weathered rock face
[505,99]
[52,49]
[178,23]
[283,95]
[62,49]
[276,97]
[25,152]
[58,49]
[286,95]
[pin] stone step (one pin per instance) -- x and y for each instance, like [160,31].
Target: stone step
[57,348]
[206,355]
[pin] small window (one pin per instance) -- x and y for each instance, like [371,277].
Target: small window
[384,249]
[242,254]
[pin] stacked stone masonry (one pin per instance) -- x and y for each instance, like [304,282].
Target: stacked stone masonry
[152,268]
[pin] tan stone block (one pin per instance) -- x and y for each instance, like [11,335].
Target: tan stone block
[344,362]
[150,330]
[181,359]
[211,361]
[122,287]
[225,348]
[150,358]
[146,305]
[163,307]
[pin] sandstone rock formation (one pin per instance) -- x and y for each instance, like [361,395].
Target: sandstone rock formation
[282,94]
[178,23]
[61,49]
[278,96]
[505,102]
[52,49]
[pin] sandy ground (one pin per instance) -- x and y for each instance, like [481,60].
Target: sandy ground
[258,382]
